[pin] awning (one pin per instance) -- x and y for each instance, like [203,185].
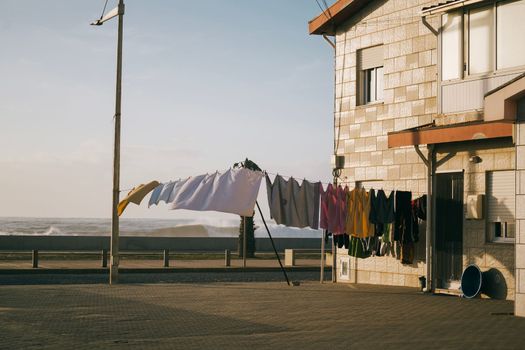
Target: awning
[431,134]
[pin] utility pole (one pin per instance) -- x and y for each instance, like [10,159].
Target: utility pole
[113,267]
[114,251]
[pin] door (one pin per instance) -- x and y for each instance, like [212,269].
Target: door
[449,229]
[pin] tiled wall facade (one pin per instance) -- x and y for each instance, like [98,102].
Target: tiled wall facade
[520,220]
[410,100]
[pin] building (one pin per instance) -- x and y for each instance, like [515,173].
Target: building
[429,98]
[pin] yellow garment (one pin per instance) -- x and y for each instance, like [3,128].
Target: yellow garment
[357,222]
[136,195]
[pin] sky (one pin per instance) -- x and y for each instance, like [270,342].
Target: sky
[205,84]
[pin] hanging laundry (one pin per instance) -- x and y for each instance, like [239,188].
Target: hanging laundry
[161,193]
[387,244]
[235,191]
[341,241]
[405,232]
[292,204]
[403,228]
[381,207]
[419,207]
[136,195]
[334,209]
[359,247]
[358,223]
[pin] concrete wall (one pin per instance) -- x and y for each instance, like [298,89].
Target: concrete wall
[90,243]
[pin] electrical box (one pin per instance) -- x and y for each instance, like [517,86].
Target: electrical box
[344,268]
[475,206]
[338,162]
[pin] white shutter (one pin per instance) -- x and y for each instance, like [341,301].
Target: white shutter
[370,57]
[501,193]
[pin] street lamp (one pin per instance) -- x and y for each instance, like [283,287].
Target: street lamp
[114,261]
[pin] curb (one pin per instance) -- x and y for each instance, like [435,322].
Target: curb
[49,271]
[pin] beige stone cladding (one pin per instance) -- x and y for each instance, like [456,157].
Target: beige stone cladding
[519,307]
[409,100]
[410,88]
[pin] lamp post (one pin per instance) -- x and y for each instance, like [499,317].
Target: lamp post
[114,260]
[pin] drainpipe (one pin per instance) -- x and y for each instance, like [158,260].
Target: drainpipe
[332,44]
[429,26]
[430,162]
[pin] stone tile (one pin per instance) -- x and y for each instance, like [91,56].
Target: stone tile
[520,256]
[520,206]
[520,280]
[520,157]
[405,171]
[393,172]
[412,92]
[371,173]
[519,305]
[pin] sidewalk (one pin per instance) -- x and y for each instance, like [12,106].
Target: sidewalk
[250,316]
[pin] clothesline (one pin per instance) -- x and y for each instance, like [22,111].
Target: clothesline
[295,177]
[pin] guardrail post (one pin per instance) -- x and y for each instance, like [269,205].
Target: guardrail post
[166,258]
[227,257]
[104,258]
[289,257]
[35,258]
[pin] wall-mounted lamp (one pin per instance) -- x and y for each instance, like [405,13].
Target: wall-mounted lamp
[475,159]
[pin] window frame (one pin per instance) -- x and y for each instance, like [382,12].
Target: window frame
[369,79]
[364,83]
[464,61]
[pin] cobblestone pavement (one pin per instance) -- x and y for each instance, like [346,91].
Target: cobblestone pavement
[267,315]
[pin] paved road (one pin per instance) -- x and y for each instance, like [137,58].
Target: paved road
[267,315]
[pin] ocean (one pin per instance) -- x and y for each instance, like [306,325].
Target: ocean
[140,227]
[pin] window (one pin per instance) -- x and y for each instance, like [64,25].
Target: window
[370,74]
[511,27]
[373,84]
[501,192]
[483,39]
[451,42]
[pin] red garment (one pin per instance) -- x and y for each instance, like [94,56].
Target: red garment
[334,209]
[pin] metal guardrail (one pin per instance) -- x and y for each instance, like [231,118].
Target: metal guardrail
[100,245]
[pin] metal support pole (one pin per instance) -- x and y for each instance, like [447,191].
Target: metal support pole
[428,241]
[34,258]
[433,251]
[323,244]
[166,258]
[104,258]
[273,245]
[336,173]
[244,242]
[113,268]
[227,258]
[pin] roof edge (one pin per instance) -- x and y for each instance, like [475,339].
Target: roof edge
[340,11]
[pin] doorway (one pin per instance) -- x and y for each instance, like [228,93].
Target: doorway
[449,229]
